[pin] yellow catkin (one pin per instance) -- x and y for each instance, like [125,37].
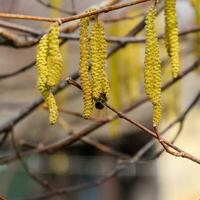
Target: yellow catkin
[53,110]
[152,72]
[102,57]
[98,54]
[171,35]
[44,73]
[55,13]
[84,67]
[95,62]
[41,64]
[54,59]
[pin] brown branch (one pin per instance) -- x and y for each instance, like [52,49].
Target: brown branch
[74,17]
[123,18]
[94,143]
[71,139]
[19,71]
[17,41]
[169,147]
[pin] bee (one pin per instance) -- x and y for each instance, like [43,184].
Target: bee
[99,104]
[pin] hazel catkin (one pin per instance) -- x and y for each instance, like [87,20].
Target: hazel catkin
[84,67]
[41,65]
[102,57]
[53,110]
[171,36]
[49,68]
[95,61]
[98,54]
[152,71]
[54,59]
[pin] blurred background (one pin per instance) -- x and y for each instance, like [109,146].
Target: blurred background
[163,178]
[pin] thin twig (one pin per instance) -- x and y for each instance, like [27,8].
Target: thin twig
[96,144]
[74,17]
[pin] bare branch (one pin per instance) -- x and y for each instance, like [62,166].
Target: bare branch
[74,17]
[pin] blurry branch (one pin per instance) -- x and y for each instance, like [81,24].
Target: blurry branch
[23,41]
[118,168]
[113,173]
[3,139]
[94,143]
[72,139]
[106,9]
[21,28]
[19,71]
[123,17]
[49,5]
[38,180]
[10,39]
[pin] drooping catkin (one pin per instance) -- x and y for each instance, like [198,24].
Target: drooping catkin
[54,59]
[49,68]
[171,35]
[95,61]
[55,13]
[98,54]
[41,65]
[152,71]
[84,67]
[53,110]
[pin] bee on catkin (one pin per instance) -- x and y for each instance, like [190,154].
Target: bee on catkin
[171,35]
[103,56]
[98,54]
[54,59]
[152,71]
[84,67]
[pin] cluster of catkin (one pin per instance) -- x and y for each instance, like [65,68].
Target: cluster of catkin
[49,68]
[93,52]
[152,73]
